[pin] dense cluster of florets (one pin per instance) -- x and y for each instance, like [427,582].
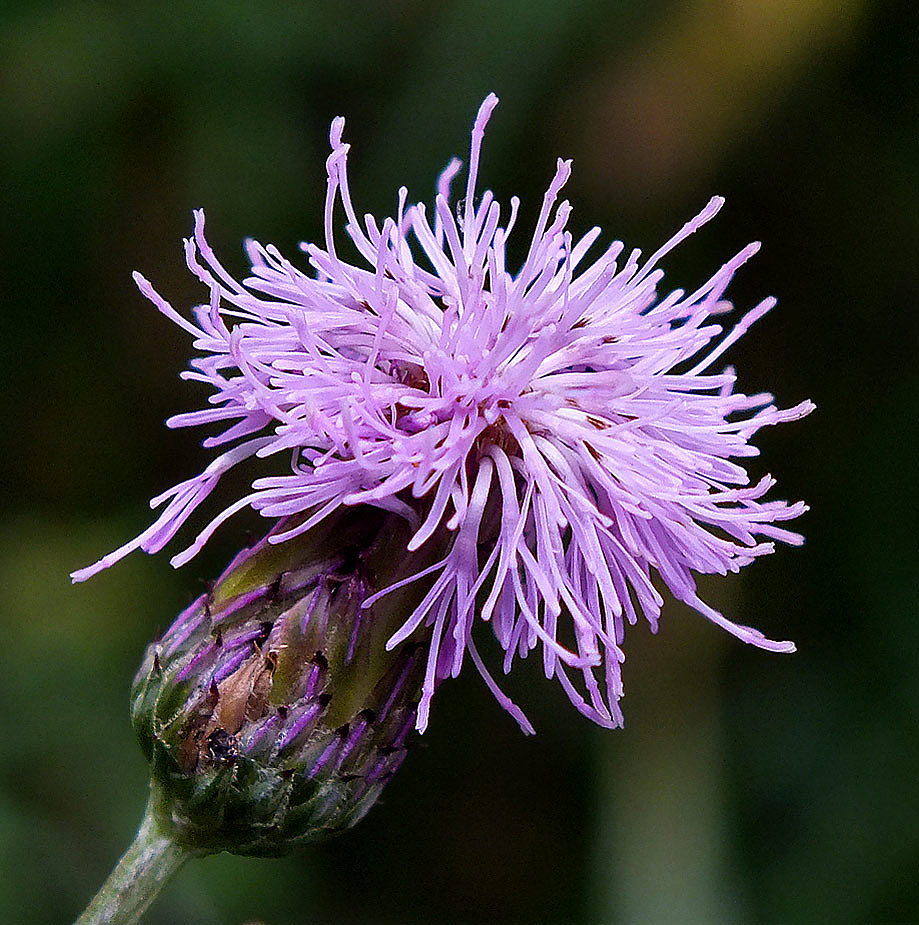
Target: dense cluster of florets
[554,432]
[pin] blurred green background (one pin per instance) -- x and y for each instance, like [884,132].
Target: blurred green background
[746,787]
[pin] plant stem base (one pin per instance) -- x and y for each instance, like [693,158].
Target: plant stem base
[144,869]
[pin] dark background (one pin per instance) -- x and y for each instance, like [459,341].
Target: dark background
[746,787]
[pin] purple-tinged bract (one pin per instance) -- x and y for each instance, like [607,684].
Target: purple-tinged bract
[555,432]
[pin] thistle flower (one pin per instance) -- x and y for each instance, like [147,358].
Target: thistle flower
[556,434]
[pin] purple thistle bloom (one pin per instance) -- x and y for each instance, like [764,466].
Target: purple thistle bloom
[555,430]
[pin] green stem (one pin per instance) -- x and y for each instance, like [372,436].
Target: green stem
[144,869]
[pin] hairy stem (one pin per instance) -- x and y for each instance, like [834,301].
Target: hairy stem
[144,869]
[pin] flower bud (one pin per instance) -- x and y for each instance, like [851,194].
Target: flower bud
[270,711]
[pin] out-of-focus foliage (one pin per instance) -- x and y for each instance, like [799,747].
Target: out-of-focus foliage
[746,787]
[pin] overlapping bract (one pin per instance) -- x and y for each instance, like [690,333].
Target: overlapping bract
[556,430]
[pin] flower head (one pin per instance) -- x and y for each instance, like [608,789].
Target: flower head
[555,434]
